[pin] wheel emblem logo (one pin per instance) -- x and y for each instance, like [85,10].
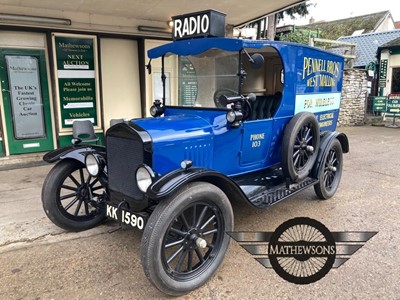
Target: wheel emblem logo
[302,250]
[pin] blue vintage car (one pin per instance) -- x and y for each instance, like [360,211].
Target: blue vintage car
[238,120]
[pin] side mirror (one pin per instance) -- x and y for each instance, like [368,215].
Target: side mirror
[256,60]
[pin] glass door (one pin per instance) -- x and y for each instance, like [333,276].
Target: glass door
[26,100]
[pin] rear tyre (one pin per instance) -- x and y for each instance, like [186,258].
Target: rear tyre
[300,146]
[330,172]
[71,198]
[184,241]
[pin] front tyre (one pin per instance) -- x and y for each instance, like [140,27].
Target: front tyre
[330,172]
[184,241]
[71,198]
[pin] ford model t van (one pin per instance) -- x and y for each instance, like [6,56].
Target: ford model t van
[237,120]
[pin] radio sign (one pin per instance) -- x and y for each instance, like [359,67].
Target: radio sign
[209,23]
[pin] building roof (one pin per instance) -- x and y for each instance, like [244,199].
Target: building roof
[105,12]
[392,44]
[367,45]
[334,29]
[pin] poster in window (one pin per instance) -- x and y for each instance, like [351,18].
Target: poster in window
[76,73]
[26,98]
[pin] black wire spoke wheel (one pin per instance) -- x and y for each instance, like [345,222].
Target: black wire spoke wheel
[303,147]
[184,240]
[300,146]
[302,250]
[72,198]
[190,245]
[79,195]
[330,169]
[330,172]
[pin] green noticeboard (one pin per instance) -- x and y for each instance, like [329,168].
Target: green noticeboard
[379,104]
[76,79]
[383,72]
[393,105]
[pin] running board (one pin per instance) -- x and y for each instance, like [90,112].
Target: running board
[267,198]
[264,189]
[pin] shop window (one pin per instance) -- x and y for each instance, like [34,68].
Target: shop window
[395,80]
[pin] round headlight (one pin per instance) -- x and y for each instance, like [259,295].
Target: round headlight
[153,111]
[144,178]
[92,165]
[231,116]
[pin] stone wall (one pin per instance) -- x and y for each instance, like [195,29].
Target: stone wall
[354,93]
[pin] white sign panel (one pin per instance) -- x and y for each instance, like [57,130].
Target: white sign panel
[317,103]
[26,99]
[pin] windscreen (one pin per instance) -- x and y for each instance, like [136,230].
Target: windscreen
[199,80]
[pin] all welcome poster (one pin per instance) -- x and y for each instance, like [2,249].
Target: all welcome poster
[76,79]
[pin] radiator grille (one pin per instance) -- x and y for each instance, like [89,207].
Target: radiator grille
[123,158]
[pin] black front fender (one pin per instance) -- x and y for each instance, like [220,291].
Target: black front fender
[77,152]
[171,182]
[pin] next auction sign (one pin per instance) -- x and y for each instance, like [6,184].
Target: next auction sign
[76,74]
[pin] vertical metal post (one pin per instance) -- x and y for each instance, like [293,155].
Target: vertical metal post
[163,77]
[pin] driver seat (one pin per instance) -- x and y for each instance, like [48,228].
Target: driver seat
[259,108]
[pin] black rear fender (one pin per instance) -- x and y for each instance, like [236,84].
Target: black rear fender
[326,140]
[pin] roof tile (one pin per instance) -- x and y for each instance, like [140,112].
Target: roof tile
[367,44]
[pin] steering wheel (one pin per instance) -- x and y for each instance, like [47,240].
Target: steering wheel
[246,109]
[223,91]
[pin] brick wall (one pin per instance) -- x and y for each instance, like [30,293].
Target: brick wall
[354,92]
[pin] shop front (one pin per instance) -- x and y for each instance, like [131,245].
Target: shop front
[62,62]
[51,79]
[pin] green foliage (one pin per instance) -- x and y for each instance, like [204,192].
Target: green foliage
[300,10]
[332,30]
[298,36]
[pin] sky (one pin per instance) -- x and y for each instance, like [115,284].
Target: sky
[330,10]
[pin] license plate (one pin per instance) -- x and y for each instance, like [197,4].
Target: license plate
[126,217]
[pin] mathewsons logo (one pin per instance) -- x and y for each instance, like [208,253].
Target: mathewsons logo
[302,250]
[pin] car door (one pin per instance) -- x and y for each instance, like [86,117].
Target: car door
[256,137]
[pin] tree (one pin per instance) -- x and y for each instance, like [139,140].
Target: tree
[297,36]
[300,10]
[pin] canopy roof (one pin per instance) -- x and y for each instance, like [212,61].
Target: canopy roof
[196,46]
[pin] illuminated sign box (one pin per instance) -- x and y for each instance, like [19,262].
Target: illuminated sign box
[209,23]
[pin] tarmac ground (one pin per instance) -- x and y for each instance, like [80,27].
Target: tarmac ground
[41,261]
